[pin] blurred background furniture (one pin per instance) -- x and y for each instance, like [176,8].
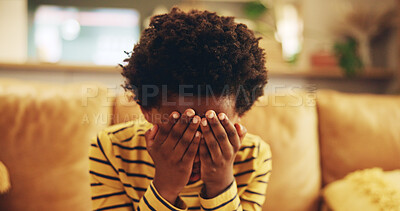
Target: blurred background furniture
[45,131]
[316,138]
[67,41]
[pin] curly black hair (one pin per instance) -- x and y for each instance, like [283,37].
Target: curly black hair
[201,49]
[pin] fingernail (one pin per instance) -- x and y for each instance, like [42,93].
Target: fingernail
[204,122]
[210,114]
[197,134]
[175,115]
[195,120]
[190,113]
[221,116]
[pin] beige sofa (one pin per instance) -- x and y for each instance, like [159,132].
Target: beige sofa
[316,139]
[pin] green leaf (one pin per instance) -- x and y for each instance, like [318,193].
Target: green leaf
[349,60]
[254,9]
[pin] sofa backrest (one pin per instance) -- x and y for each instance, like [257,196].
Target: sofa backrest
[357,131]
[45,132]
[288,122]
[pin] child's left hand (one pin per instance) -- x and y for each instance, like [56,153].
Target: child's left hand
[218,148]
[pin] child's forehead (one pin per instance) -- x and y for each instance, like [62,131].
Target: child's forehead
[199,104]
[200,110]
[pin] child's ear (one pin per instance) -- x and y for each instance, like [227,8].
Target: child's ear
[147,114]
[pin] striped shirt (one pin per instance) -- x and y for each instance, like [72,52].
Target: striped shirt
[122,172]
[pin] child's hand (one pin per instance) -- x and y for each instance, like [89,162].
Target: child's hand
[173,147]
[218,149]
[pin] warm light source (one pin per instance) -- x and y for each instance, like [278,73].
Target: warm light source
[289,30]
[70,29]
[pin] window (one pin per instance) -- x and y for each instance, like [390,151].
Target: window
[83,35]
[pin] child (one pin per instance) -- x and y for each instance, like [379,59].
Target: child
[193,74]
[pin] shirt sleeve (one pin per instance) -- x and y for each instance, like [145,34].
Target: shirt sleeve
[152,200]
[108,191]
[227,200]
[253,196]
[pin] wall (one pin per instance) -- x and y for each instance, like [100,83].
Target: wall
[13,28]
[13,38]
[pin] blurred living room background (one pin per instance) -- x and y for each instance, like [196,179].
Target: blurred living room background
[331,113]
[345,45]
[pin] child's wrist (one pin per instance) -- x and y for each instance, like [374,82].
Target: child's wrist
[213,190]
[169,194]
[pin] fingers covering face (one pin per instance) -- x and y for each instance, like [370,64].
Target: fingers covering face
[230,130]
[150,135]
[188,138]
[220,136]
[214,147]
[191,152]
[205,156]
[164,130]
[219,132]
[178,130]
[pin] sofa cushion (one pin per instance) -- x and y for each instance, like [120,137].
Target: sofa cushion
[288,123]
[4,179]
[358,131]
[366,190]
[45,132]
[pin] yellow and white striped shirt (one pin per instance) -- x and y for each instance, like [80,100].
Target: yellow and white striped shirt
[122,172]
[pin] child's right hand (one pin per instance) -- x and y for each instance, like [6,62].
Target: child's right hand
[173,147]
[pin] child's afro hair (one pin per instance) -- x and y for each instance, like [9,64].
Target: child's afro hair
[200,49]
